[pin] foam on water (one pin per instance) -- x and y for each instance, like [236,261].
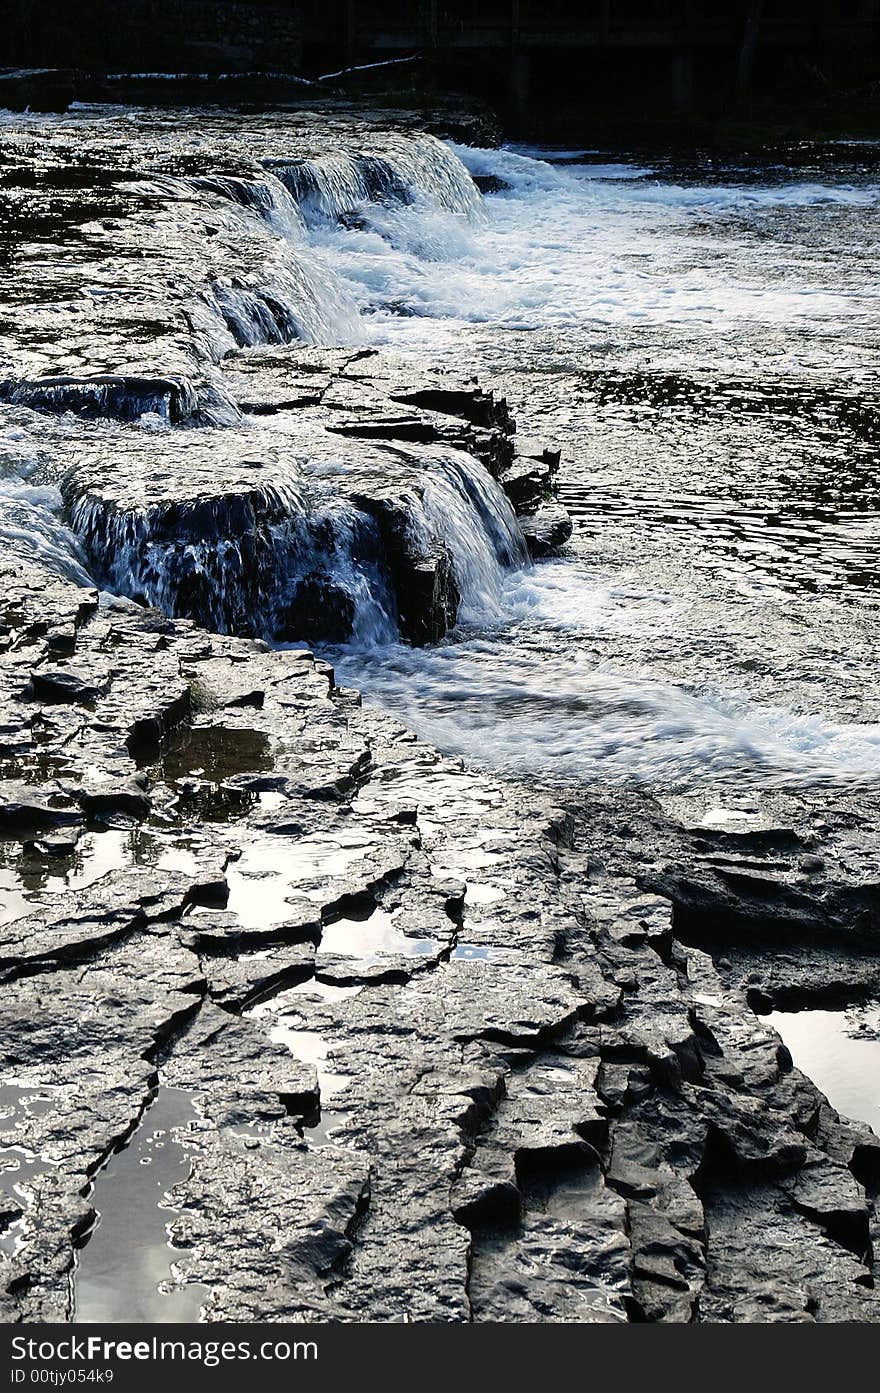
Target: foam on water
[32,528]
[572,245]
[570,722]
[503,696]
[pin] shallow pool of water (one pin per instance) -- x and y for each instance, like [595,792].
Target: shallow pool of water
[840,1052]
[124,1271]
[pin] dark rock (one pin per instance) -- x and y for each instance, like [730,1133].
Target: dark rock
[125,799]
[547,530]
[67,687]
[57,846]
[472,404]
[527,482]
[429,599]
[490,183]
[25,810]
[318,609]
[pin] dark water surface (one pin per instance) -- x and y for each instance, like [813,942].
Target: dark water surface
[702,342]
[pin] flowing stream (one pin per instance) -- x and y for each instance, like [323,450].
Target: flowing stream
[701,342]
[699,338]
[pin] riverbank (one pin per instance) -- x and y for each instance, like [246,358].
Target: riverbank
[393,1036]
[424,1014]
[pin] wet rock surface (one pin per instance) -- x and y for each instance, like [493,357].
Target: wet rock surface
[450,1052]
[452,1048]
[209,462]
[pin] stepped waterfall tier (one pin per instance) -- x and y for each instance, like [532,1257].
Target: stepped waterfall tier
[409,870]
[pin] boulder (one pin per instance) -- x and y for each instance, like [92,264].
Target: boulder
[547,530]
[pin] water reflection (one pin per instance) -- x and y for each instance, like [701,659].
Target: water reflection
[124,1272]
[374,934]
[19,1166]
[840,1052]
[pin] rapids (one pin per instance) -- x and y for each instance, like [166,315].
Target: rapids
[698,339]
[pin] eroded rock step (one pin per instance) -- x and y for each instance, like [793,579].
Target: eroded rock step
[375,507]
[360,510]
[443,1029]
[210,463]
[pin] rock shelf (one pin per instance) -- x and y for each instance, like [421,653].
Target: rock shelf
[446,1047]
[510,1091]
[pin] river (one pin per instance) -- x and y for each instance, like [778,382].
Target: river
[699,338]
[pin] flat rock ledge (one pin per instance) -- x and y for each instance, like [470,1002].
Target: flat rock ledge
[448,1057]
[349,460]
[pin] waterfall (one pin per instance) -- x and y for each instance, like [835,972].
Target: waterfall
[203,558]
[463,509]
[292,294]
[32,532]
[270,289]
[32,528]
[293,298]
[124,398]
[270,564]
[297,558]
[265,196]
[290,301]
[407,167]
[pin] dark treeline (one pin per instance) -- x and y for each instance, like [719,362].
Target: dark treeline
[153,35]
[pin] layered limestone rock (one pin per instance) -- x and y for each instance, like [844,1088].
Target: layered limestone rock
[270,528]
[428,1044]
[446,1056]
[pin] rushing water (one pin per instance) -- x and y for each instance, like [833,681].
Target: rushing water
[698,337]
[701,343]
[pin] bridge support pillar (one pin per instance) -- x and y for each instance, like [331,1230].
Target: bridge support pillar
[682,82]
[520,84]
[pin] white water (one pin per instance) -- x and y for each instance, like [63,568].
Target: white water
[572,247]
[576,245]
[398,249]
[524,693]
[463,508]
[31,526]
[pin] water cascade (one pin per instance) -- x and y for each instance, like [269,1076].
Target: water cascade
[297,558]
[405,531]
[409,167]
